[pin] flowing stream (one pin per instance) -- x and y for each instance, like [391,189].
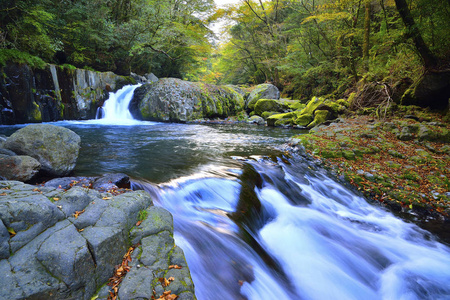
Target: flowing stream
[257,225]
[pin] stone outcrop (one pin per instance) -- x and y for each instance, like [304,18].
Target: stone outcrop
[261,91]
[431,90]
[33,95]
[56,148]
[175,100]
[65,244]
[316,112]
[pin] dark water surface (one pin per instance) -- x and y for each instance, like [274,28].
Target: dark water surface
[158,152]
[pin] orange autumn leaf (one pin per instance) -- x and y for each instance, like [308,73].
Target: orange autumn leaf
[78,213]
[175,267]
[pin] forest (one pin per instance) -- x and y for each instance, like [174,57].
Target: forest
[304,47]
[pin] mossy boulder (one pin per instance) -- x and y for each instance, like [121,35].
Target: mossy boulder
[267,114]
[431,90]
[320,116]
[262,91]
[56,148]
[272,120]
[171,99]
[263,105]
[304,119]
[317,111]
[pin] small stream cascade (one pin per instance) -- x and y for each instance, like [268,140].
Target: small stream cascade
[115,108]
[280,231]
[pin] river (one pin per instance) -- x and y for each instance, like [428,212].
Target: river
[255,224]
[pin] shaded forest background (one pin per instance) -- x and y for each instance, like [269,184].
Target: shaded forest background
[304,47]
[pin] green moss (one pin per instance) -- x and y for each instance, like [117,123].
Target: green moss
[267,114]
[348,154]
[143,214]
[36,113]
[320,116]
[16,56]
[297,105]
[351,98]
[330,153]
[418,159]
[343,102]
[69,67]
[274,118]
[304,119]
[411,175]
[395,154]
[264,105]
[312,105]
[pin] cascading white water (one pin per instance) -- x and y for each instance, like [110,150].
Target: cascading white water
[115,109]
[312,239]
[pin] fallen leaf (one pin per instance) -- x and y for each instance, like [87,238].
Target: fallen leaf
[166,282]
[106,198]
[81,230]
[175,267]
[3,194]
[77,213]
[171,278]
[56,199]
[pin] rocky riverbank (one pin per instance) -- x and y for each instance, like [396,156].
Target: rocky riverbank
[402,163]
[60,243]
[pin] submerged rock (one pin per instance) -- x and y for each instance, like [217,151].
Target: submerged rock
[56,148]
[176,100]
[256,120]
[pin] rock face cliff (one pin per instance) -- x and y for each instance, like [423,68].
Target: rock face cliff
[33,95]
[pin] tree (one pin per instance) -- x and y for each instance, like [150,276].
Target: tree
[430,61]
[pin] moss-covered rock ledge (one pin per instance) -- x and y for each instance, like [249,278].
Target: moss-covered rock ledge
[403,163]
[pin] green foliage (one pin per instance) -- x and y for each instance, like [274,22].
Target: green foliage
[163,37]
[13,55]
[310,48]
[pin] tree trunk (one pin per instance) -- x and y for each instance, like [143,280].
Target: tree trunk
[429,60]
[366,43]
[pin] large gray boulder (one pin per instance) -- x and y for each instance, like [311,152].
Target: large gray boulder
[262,91]
[20,167]
[56,148]
[175,100]
[57,244]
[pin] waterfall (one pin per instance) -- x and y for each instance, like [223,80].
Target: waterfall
[115,109]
